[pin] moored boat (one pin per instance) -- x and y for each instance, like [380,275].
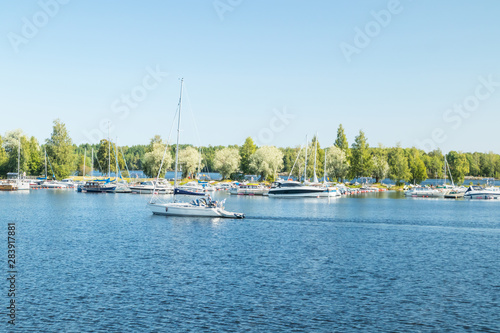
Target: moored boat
[479,192]
[249,189]
[293,189]
[424,192]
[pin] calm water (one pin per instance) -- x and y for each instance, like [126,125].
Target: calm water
[102,262]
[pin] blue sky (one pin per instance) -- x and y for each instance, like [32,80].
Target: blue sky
[424,75]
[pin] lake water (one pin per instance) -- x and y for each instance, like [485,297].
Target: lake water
[376,262]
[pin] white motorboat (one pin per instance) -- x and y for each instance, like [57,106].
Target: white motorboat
[149,187]
[68,182]
[479,192]
[249,189]
[456,193]
[293,189]
[224,186]
[14,185]
[424,192]
[53,184]
[192,186]
[203,207]
[122,187]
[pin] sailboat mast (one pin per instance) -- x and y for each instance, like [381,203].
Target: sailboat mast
[109,155]
[92,165]
[178,136]
[84,158]
[444,171]
[199,163]
[116,159]
[45,156]
[324,169]
[18,160]
[315,151]
[305,165]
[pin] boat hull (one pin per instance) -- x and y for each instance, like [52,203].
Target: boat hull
[8,187]
[303,193]
[483,196]
[184,209]
[248,192]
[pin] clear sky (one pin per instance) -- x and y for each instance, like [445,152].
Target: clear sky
[422,73]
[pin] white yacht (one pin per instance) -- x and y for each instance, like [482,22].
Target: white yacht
[53,184]
[162,187]
[224,186]
[424,192]
[192,186]
[202,207]
[249,189]
[479,192]
[293,189]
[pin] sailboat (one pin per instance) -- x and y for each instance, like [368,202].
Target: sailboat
[99,186]
[202,207]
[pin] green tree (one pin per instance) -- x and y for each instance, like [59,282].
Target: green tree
[459,166]
[60,150]
[153,159]
[361,161]
[418,170]
[474,160]
[337,164]
[13,140]
[189,159]
[435,164]
[487,162]
[380,168]
[227,161]
[266,161]
[399,171]
[246,151]
[341,141]
[104,157]
[35,158]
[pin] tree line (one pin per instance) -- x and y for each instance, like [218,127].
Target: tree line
[339,161]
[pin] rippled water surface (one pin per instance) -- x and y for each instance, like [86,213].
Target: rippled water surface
[378,262]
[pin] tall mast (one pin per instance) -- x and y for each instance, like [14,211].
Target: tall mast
[178,136]
[18,159]
[305,165]
[444,171]
[324,169]
[45,156]
[315,151]
[109,155]
[92,165]
[199,163]
[116,158]
[84,157]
